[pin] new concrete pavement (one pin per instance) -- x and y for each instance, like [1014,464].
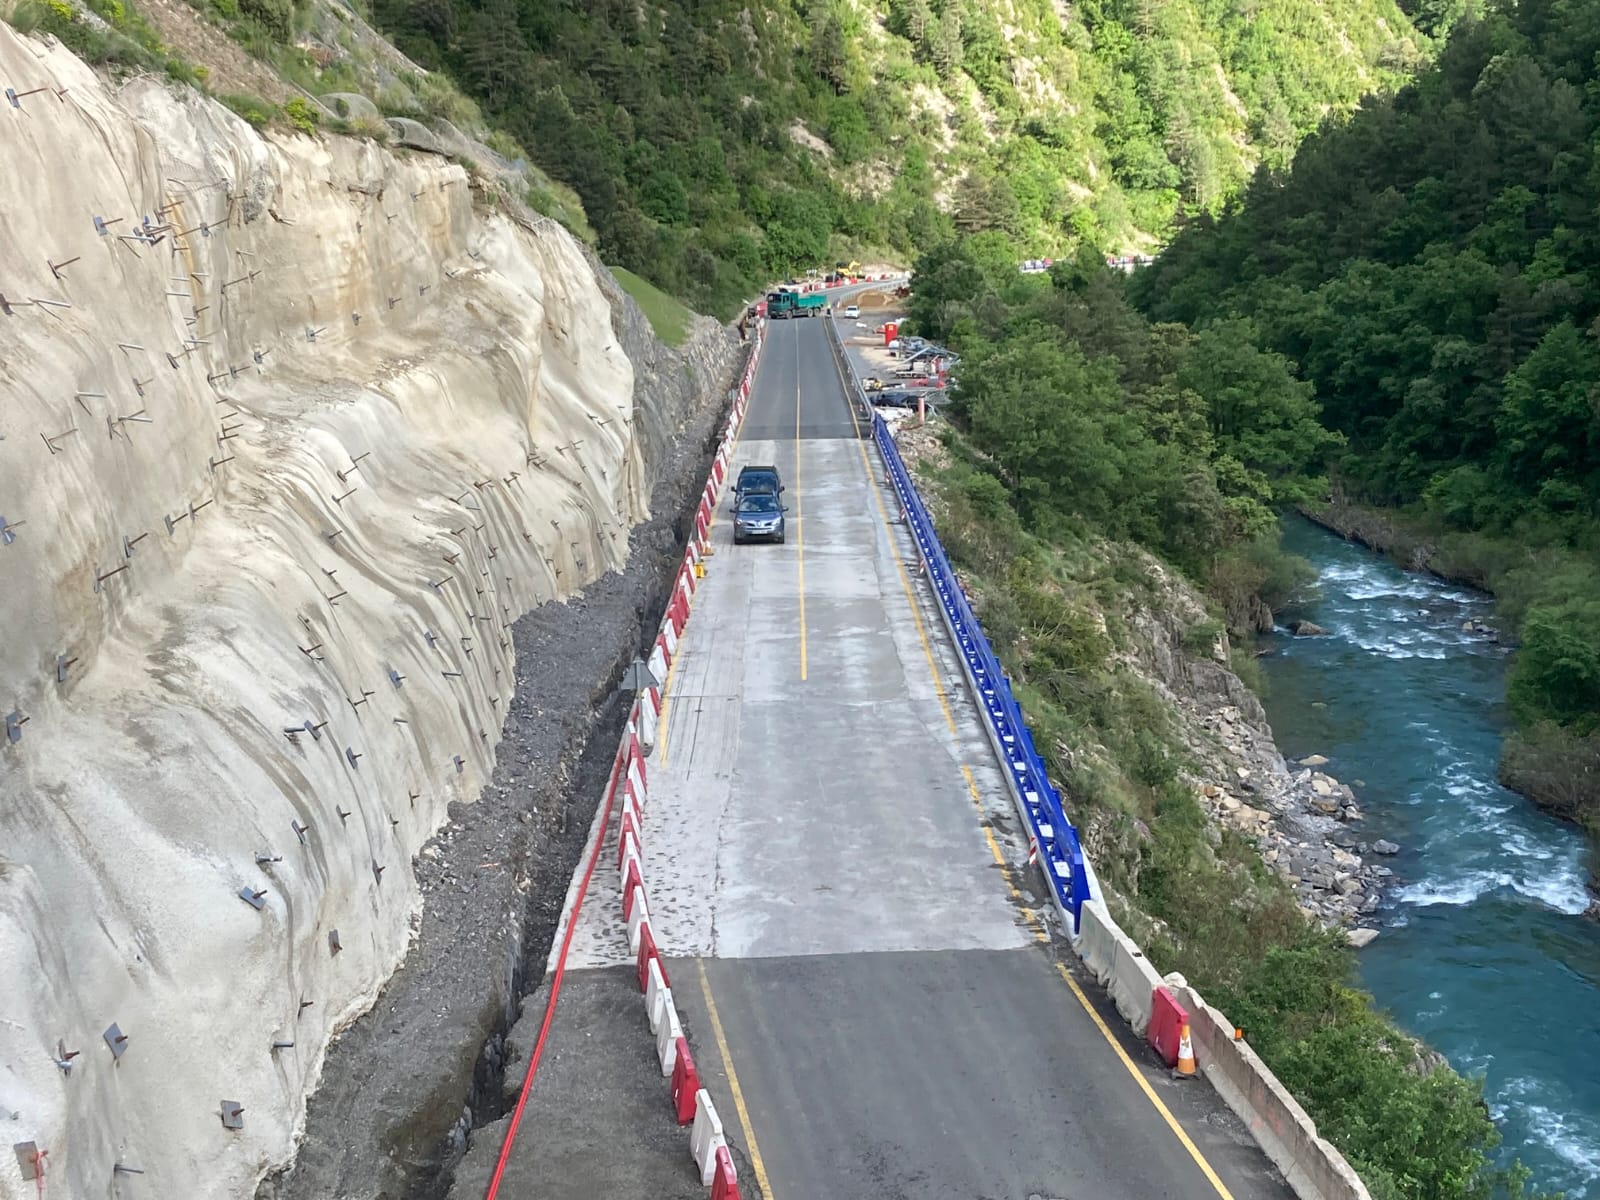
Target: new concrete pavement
[855,947]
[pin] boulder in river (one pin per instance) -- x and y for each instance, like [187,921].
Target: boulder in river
[1384,846]
[1361,938]
[1306,629]
[1314,760]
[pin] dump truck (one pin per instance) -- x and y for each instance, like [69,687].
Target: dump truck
[795,304]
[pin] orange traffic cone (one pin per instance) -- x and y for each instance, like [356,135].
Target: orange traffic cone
[1185,1067]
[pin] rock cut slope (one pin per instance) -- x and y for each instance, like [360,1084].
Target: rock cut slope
[276,477]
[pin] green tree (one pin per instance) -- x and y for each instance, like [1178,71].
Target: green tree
[942,42]
[1556,674]
[1260,414]
[1548,423]
[827,49]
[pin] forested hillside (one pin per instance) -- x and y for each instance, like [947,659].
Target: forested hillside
[714,143]
[1431,269]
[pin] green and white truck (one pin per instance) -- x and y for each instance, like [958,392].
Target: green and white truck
[783,304]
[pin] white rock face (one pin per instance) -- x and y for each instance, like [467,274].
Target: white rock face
[346,499]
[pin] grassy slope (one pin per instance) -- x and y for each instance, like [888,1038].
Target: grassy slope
[669,318]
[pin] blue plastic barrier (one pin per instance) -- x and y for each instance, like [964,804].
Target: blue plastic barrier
[1055,836]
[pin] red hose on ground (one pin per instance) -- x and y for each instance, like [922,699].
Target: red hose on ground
[561,969]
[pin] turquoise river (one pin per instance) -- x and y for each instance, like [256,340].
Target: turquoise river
[1483,951]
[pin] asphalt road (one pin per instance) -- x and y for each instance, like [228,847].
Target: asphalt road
[869,980]
[798,394]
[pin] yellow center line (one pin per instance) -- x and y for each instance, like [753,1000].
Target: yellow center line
[733,1085]
[799,511]
[1144,1086]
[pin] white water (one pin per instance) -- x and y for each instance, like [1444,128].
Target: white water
[1483,952]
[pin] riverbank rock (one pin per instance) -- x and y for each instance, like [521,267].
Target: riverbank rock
[1384,846]
[1293,813]
[1306,629]
[1361,938]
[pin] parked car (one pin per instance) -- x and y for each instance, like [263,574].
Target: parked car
[758,516]
[852,311]
[756,480]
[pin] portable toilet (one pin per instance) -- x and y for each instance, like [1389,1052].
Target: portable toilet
[891,330]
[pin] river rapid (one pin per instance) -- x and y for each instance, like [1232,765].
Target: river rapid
[1483,951]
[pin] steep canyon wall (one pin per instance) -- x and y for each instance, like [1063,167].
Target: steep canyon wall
[276,476]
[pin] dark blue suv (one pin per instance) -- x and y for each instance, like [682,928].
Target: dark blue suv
[758,516]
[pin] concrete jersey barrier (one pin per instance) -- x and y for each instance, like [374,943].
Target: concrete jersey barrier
[1313,1167]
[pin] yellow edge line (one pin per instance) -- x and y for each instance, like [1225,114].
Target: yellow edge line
[1105,1032]
[1144,1086]
[911,596]
[799,511]
[1017,898]
[1039,933]
[666,688]
[733,1084]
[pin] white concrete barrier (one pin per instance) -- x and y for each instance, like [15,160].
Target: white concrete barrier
[705,1136]
[667,1035]
[1314,1169]
[1095,943]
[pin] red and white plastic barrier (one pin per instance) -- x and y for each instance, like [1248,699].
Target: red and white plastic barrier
[706,1137]
[691,1102]
[685,1083]
[725,1182]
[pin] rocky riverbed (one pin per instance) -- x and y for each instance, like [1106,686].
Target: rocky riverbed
[1307,824]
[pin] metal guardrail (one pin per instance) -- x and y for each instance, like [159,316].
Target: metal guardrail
[1060,853]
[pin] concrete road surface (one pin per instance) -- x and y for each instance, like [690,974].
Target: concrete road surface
[864,969]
